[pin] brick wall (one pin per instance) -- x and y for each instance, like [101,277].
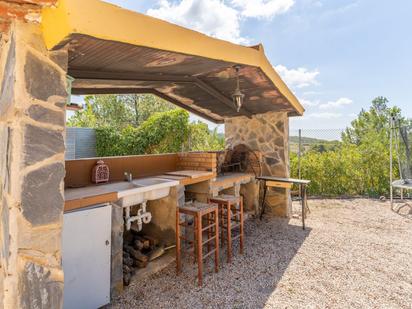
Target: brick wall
[22,10]
[197,161]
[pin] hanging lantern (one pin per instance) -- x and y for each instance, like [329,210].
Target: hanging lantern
[237,96]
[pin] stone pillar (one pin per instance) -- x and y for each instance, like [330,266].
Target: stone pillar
[32,124]
[269,134]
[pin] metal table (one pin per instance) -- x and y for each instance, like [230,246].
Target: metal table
[286,183]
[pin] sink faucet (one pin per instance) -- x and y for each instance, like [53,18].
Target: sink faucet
[128,176]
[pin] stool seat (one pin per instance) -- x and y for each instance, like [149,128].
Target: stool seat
[193,208]
[224,198]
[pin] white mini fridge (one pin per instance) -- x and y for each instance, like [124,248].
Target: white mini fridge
[86,257]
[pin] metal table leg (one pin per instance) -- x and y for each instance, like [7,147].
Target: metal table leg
[303,200]
[262,207]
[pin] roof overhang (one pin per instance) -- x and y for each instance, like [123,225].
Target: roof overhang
[113,50]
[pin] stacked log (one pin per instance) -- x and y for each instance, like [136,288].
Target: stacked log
[136,252]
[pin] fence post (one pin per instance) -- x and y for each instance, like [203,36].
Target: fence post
[299,153]
[391,159]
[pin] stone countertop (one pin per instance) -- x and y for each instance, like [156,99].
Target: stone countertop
[232,178]
[76,198]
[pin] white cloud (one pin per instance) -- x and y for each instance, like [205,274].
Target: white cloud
[211,17]
[311,93]
[262,8]
[308,103]
[218,18]
[300,77]
[335,104]
[324,115]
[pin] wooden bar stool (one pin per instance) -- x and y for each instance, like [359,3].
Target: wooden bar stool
[230,217]
[205,221]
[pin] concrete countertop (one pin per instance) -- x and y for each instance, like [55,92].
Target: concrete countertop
[231,178]
[76,198]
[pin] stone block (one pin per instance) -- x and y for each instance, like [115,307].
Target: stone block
[41,143]
[42,79]
[116,275]
[5,237]
[40,287]
[41,201]
[60,57]
[45,115]
[5,158]
[47,241]
[61,103]
[7,84]
[271,160]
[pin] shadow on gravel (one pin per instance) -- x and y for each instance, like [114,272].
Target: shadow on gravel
[272,245]
[247,282]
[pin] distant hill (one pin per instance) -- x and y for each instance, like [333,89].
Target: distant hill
[307,140]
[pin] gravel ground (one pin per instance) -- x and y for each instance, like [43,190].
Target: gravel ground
[353,254]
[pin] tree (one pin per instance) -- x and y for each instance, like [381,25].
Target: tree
[202,139]
[359,164]
[375,120]
[118,111]
[145,105]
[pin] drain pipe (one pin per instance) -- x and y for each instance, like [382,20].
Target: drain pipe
[143,216]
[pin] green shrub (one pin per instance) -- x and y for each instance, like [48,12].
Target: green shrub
[161,133]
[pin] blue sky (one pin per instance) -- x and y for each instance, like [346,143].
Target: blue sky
[335,55]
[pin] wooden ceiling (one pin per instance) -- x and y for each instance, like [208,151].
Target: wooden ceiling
[201,85]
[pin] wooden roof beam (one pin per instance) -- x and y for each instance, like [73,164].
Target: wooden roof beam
[92,91]
[130,77]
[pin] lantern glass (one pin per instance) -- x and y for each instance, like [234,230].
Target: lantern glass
[238,99]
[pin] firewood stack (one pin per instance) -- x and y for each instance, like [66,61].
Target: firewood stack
[137,250]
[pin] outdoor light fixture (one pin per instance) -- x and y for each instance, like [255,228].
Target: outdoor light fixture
[237,96]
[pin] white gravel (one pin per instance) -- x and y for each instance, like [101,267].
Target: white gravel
[354,254]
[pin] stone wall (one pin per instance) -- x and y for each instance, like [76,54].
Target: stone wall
[163,223]
[116,261]
[32,123]
[269,134]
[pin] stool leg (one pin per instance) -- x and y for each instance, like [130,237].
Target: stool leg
[195,224]
[221,222]
[199,249]
[209,231]
[178,260]
[241,225]
[229,233]
[216,240]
